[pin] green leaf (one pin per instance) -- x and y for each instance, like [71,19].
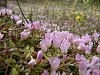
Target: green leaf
[10,43]
[28,51]
[14,71]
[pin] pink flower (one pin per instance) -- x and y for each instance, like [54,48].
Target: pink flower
[80,58]
[43,47]
[86,48]
[96,72]
[83,67]
[56,42]
[64,46]
[86,38]
[88,72]
[39,55]
[24,34]
[94,61]
[3,11]
[70,37]
[89,48]
[86,67]
[45,72]
[78,40]
[28,25]
[9,11]
[96,36]
[47,42]
[31,63]
[6,11]
[1,36]
[95,69]
[19,22]
[54,62]
[83,64]
[44,44]
[36,25]
[49,36]
[98,48]
[53,72]
[82,46]
[15,17]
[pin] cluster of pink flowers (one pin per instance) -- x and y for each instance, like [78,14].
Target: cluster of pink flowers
[15,18]
[33,61]
[5,11]
[58,39]
[34,25]
[85,42]
[64,40]
[88,67]
[9,12]
[55,63]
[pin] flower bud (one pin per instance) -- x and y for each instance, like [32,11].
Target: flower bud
[31,63]
[24,34]
[39,55]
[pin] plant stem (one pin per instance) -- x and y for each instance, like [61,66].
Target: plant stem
[21,11]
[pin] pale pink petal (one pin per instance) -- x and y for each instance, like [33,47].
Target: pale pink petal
[54,62]
[94,60]
[24,34]
[53,72]
[98,48]
[1,36]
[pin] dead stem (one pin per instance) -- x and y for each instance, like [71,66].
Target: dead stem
[6,70]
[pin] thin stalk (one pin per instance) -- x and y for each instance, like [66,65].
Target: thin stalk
[21,11]
[30,15]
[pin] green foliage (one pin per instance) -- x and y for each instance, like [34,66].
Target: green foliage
[15,53]
[28,51]
[14,71]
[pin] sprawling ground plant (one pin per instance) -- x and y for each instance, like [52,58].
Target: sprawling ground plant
[28,47]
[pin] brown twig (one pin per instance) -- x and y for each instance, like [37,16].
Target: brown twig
[6,70]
